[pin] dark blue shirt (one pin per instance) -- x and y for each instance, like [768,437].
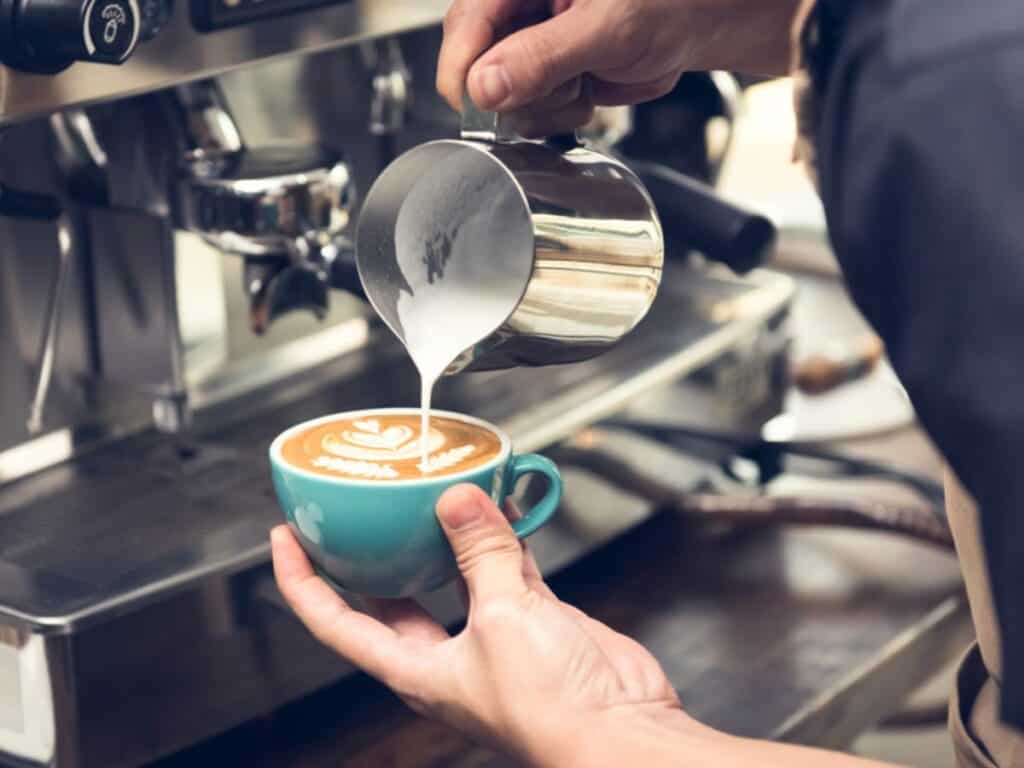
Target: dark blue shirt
[920,145]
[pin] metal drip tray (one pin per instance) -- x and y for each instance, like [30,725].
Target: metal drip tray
[133,522]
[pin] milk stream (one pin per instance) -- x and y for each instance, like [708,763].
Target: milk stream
[451,226]
[426,390]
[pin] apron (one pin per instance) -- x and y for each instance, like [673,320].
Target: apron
[980,739]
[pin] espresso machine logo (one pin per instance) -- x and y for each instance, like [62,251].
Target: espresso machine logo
[115,18]
[111,28]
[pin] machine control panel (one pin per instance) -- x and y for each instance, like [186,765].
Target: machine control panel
[211,15]
[47,36]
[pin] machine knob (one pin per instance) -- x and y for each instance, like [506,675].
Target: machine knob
[47,36]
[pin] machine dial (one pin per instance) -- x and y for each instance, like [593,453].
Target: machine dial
[47,36]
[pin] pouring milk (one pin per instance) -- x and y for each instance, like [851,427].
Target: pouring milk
[449,235]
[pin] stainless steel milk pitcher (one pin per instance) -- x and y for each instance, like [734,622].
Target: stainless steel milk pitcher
[562,241]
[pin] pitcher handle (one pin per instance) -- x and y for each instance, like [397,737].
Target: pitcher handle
[493,128]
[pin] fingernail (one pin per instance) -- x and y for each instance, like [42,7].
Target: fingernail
[460,509]
[493,84]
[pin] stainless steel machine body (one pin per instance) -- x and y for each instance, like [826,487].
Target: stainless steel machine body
[173,237]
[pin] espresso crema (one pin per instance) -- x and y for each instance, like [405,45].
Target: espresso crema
[388,446]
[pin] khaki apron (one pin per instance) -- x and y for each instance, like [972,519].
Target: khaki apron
[979,737]
[980,740]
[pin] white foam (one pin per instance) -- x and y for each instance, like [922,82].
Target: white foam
[367,469]
[448,459]
[369,441]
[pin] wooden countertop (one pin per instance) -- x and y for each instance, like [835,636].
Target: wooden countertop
[802,635]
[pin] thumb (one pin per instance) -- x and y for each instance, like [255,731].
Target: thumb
[531,63]
[486,549]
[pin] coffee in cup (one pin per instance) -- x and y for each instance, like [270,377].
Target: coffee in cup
[390,446]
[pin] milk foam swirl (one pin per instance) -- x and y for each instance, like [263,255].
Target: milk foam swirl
[366,450]
[387,447]
[368,441]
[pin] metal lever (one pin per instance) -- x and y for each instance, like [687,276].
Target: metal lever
[48,349]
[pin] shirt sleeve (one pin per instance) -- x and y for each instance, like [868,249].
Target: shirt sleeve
[919,139]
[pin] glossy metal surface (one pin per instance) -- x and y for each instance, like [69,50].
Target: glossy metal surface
[263,201]
[48,350]
[151,316]
[597,251]
[205,517]
[150,569]
[255,201]
[283,207]
[179,54]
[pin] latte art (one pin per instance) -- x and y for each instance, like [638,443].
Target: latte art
[390,446]
[369,441]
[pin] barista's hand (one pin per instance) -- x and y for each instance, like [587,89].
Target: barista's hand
[529,675]
[626,51]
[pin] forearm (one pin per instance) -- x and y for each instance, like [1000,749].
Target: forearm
[751,37]
[678,741]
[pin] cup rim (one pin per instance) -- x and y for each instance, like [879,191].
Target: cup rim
[277,460]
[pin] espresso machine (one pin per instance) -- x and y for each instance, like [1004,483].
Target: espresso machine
[178,187]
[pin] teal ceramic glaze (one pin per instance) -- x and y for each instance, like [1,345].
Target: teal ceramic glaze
[382,538]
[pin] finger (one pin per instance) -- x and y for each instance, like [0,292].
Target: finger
[407,618]
[564,95]
[533,124]
[609,93]
[470,28]
[364,641]
[486,549]
[531,63]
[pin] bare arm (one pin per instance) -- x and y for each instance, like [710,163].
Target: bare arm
[647,742]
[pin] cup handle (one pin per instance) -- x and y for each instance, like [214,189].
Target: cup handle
[529,464]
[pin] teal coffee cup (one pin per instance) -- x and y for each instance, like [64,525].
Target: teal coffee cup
[381,537]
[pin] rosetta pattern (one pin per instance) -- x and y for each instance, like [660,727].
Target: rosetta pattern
[448,459]
[367,469]
[371,441]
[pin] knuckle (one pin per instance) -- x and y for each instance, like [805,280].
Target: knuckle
[535,59]
[486,549]
[632,31]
